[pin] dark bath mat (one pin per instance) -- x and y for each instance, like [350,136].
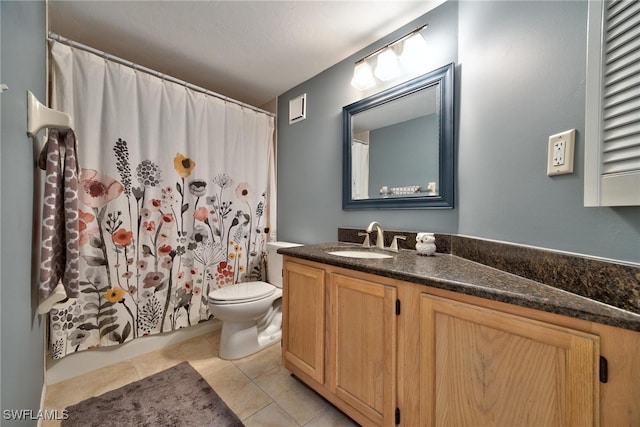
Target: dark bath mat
[177,396]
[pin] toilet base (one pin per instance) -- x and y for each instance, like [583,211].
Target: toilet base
[241,339]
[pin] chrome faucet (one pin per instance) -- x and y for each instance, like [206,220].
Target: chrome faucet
[380,237]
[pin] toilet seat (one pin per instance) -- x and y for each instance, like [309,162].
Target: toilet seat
[241,293]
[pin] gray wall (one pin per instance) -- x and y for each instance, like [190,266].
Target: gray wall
[22,67]
[404,154]
[310,151]
[520,78]
[523,79]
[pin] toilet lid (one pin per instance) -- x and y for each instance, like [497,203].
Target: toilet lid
[242,292]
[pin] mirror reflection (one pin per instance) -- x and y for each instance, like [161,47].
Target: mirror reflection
[399,146]
[394,148]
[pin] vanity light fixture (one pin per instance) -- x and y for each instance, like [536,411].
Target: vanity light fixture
[414,51]
[387,67]
[363,76]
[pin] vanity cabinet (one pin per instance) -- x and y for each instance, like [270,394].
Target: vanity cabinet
[303,323]
[389,352]
[340,338]
[482,367]
[362,346]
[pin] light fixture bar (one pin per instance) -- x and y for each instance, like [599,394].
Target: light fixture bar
[399,39]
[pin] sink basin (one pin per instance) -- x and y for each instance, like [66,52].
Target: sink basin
[360,254]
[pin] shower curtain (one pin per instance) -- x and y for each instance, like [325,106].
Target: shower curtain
[173,200]
[359,169]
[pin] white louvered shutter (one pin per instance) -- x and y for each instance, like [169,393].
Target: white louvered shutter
[612,130]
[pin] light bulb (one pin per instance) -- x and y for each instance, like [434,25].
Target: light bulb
[414,53]
[362,76]
[387,67]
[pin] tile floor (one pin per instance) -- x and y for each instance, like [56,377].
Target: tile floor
[257,388]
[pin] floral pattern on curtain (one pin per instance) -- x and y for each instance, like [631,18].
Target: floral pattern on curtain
[173,193]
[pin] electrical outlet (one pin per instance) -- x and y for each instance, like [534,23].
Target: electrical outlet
[560,153]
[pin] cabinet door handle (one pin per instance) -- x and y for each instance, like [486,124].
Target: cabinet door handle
[604,370]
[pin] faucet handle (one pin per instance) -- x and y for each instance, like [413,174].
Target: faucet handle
[394,243]
[367,242]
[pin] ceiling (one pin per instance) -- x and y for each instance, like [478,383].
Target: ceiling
[251,51]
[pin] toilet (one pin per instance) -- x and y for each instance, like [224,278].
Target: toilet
[251,312]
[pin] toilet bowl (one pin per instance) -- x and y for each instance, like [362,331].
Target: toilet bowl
[251,312]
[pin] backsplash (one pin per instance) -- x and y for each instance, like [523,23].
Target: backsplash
[608,282]
[443,241]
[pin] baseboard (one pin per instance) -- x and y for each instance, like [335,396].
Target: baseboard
[86,361]
[42,407]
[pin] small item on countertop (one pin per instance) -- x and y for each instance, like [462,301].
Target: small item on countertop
[426,243]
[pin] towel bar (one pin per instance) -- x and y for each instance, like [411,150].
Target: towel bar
[40,117]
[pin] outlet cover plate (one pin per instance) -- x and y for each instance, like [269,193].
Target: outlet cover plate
[561,152]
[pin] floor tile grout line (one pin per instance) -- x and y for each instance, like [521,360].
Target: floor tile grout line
[256,411]
[273,398]
[251,381]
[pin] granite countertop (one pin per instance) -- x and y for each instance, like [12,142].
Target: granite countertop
[458,274]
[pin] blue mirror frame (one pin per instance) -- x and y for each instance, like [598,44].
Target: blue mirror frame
[443,79]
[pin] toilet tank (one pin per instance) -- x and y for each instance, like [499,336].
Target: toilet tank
[274,261]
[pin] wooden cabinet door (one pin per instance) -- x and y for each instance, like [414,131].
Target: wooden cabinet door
[362,346]
[481,367]
[303,319]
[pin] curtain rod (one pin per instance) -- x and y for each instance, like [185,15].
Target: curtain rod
[69,42]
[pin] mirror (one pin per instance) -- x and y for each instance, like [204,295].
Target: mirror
[398,146]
